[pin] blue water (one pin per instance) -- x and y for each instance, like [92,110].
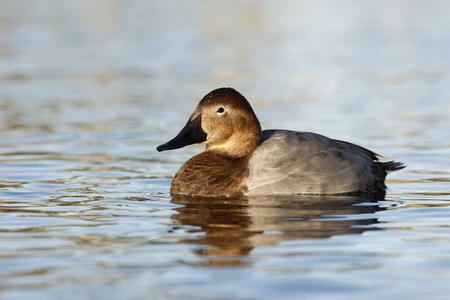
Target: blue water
[88,89]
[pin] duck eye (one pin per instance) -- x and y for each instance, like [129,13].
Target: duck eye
[220,110]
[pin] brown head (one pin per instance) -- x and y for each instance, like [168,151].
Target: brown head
[225,122]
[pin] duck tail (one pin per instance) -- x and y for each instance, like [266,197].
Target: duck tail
[391,166]
[381,169]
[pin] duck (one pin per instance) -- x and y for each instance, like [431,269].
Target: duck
[240,159]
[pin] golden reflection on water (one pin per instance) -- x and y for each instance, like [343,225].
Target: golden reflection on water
[235,226]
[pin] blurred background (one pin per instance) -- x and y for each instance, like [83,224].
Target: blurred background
[355,69]
[88,89]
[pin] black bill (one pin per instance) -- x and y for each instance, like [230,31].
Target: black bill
[192,133]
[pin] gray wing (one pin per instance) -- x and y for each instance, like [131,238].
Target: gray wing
[289,162]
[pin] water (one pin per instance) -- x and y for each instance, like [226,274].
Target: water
[88,89]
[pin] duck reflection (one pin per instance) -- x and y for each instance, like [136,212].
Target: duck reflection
[234,226]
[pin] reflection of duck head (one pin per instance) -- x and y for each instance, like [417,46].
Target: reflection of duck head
[234,226]
[225,221]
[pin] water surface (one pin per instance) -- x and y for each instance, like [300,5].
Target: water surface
[88,89]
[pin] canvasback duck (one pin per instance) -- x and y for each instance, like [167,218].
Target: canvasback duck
[240,159]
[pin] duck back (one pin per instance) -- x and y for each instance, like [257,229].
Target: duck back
[290,162]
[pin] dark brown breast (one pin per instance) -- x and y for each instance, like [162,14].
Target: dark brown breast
[209,174]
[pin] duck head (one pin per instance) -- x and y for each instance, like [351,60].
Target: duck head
[224,121]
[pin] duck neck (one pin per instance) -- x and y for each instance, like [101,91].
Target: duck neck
[236,148]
